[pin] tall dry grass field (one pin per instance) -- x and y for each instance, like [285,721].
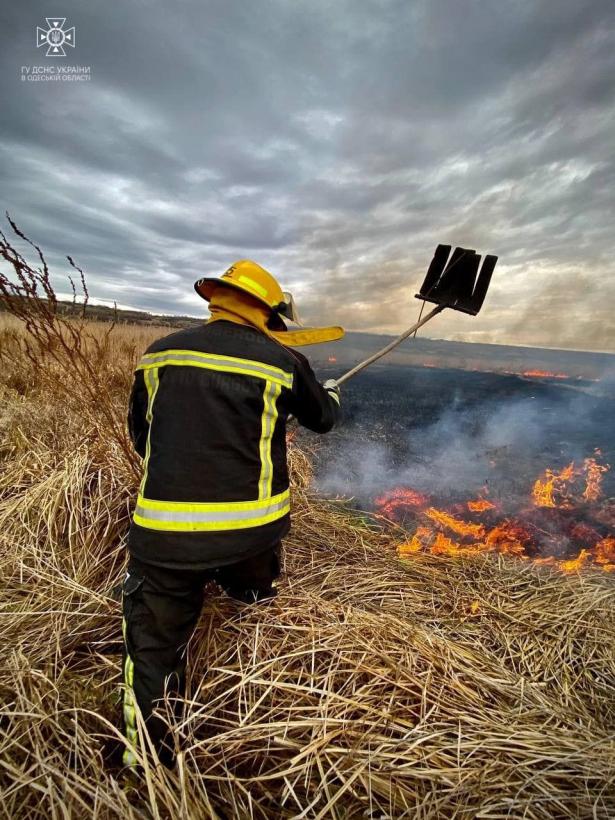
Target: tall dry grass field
[370,687]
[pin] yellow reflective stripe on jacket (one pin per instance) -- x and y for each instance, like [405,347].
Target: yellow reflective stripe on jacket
[268,420]
[211,361]
[151,382]
[198,517]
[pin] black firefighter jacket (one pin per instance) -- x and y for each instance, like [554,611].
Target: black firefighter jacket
[208,414]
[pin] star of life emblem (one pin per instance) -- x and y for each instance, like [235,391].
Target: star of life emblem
[55,37]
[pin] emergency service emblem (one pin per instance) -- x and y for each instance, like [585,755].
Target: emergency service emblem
[55,37]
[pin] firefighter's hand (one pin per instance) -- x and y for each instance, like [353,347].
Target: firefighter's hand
[332,388]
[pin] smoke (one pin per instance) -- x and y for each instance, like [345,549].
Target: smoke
[606,383]
[503,444]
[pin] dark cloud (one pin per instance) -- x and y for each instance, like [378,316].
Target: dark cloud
[335,143]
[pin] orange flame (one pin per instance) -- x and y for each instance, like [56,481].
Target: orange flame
[593,477]
[399,499]
[481,505]
[558,489]
[544,374]
[605,554]
[455,524]
[545,489]
[508,538]
[575,564]
[440,532]
[416,543]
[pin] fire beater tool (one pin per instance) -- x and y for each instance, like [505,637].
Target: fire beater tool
[453,281]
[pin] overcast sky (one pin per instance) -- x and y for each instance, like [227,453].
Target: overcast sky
[335,142]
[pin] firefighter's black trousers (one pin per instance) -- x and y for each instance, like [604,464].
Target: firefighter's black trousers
[161,608]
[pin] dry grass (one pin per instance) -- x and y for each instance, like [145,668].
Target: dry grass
[370,687]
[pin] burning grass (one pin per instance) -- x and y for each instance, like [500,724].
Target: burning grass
[371,687]
[566,523]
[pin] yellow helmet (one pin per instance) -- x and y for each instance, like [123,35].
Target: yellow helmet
[250,278]
[253,279]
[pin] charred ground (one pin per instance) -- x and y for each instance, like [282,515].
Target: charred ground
[451,431]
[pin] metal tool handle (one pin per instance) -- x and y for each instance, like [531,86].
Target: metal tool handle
[391,345]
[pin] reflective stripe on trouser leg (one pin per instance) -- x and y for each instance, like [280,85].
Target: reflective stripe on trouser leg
[130,722]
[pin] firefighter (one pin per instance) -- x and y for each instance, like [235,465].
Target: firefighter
[207,415]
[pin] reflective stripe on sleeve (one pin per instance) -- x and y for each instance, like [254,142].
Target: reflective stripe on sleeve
[228,364]
[151,382]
